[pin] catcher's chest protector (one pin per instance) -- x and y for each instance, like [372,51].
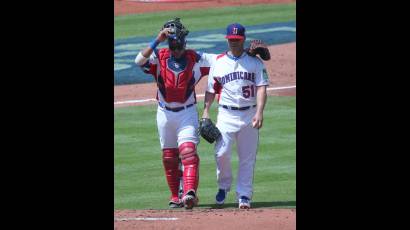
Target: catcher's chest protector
[176,81]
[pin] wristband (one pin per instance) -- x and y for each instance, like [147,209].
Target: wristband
[154,44]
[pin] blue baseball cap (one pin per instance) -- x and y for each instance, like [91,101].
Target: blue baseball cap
[235,31]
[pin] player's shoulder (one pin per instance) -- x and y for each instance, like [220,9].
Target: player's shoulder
[197,55]
[220,57]
[256,60]
[162,52]
[205,56]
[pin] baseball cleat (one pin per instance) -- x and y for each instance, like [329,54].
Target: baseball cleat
[220,197]
[244,203]
[190,199]
[176,203]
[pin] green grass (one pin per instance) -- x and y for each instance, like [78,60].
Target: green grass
[148,24]
[139,181]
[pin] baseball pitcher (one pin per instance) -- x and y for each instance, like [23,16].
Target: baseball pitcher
[240,79]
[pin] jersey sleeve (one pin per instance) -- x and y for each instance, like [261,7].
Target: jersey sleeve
[262,77]
[150,66]
[213,84]
[206,59]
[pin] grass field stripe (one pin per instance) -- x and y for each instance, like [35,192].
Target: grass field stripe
[124,25]
[145,218]
[199,95]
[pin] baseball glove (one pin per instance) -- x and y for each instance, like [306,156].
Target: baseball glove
[257,47]
[208,130]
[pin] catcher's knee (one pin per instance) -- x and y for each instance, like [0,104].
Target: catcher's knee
[170,157]
[188,153]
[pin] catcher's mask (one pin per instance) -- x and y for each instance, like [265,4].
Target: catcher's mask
[176,39]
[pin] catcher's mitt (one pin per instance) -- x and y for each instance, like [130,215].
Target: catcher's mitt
[260,48]
[208,130]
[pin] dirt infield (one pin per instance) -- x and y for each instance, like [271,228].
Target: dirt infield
[281,70]
[261,218]
[122,7]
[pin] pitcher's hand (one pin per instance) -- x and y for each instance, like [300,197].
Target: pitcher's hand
[257,121]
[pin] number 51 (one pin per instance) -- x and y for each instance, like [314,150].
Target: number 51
[248,90]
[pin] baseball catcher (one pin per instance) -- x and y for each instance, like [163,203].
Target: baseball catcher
[176,70]
[257,47]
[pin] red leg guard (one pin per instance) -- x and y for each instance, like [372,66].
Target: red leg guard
[172,172]
[190,160]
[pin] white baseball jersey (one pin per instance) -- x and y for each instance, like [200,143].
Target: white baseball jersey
[235,79]
[200,69]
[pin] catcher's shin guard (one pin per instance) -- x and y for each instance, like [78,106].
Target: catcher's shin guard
[190,161]
[170,159]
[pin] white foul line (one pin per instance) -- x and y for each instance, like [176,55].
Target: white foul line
[283,87]
[145,218]
[199,95]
